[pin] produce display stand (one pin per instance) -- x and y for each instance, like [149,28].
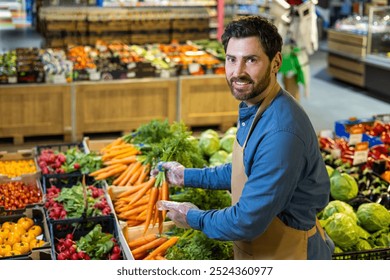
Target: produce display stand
[78,108]
[35,110]
[122,105]
[206,101]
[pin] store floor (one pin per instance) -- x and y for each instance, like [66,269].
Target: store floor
[329,99]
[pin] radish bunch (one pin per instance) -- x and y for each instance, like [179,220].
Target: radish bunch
[66,249]
[51,162]
[56,210]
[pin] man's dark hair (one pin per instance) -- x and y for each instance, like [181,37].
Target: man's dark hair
[258,26]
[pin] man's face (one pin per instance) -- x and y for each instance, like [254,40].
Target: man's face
[248,69]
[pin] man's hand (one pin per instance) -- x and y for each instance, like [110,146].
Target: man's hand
[177,211]
[174,172]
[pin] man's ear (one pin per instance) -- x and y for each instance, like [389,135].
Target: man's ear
[277,62]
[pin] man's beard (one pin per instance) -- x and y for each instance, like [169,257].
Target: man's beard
[257,90]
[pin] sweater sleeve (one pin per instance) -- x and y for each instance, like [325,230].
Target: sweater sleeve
[216,178]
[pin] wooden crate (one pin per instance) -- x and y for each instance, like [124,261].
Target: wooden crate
[207,101]
[346,69]
[123,105]
[35,110]
[347,43]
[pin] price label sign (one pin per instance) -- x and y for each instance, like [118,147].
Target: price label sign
[361,153]
[355,138]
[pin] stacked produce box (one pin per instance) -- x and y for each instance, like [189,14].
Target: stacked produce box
[109,60]
[357,218]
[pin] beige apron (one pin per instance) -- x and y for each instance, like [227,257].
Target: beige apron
[278,242]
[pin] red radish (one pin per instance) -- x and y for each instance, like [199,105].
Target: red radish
[74,256]
[116,249]
[69,236]
[61,256]
[115,257]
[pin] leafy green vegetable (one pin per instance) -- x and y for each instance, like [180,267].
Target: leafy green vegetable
[373,216]
[150,133]
[96,243]
[341,228]
[218,158]
[195,245]
[209,144]
[227,142]
[343,186]
[338,206]
[79,161]
[203,198]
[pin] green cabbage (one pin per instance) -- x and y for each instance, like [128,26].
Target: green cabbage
[362,245]
[343,186]
[209,132]
[227,143]
[330,170]
[218,158]
[209,144]
[337,250]
[373,216]
[229,158]
[231,131]
[363,234]
[341,228]
[338,206]
[383,240]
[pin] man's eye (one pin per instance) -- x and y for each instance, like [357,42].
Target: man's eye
[230,59]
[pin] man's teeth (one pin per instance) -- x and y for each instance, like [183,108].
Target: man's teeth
[242,82]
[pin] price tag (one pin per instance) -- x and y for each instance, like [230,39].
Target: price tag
[94,76]
[59,79]
[355,138]
[335,153]
[361,153]
[12,80]
[326,133]
[164,73]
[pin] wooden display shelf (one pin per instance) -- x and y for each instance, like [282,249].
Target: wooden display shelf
[207,101]
[35,110]
[346,52]
[346,69]
[123,105]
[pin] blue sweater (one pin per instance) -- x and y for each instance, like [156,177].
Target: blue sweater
[286,178]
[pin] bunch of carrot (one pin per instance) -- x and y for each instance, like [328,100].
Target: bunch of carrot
[120,162]
[136,204]
[151,246]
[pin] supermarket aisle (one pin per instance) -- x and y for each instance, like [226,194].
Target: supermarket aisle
[329,99]
[332,100]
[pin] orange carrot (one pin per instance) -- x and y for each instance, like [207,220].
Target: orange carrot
[116,153]
[164,196]
[149,184]
[111,172]
[143,239]
[161,249]
[114,143]
[135,167]
[160,258]
[130,191]
[122,176]
[126,160]
[151,207]
[125,215]
[144,174]
[156,211]
[128,154]
[150,245]
[134,177]
[103,170]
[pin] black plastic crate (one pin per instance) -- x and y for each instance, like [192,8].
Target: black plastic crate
[62,181]
[38,216]
[375,254]
[60,229]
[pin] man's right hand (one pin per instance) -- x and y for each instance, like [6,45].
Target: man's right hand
[174,172]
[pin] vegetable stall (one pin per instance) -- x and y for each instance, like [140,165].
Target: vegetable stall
[97,199]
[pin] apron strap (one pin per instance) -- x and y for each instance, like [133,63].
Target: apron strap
[263,106]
